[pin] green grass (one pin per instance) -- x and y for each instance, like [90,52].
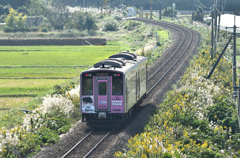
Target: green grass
[34,70]
[27,86]
[54,56]
[163,35]
[41,72]
[30,71]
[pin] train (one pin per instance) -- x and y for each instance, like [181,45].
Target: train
[112,87]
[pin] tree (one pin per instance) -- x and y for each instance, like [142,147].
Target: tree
[36,7]
[83,21]
[90,23]
[58,16]
[169,11]
[198,15]
[15,21]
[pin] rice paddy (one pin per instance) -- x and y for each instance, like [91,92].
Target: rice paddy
[30,71]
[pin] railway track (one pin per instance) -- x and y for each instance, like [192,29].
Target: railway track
[168,66]
[170,60]
[84,147]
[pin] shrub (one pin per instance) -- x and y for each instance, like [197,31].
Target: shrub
[110,25]
[44,29]
[170,12]
[131,25]
[15,21]
[198,15]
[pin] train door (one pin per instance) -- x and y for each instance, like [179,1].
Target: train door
[102,94]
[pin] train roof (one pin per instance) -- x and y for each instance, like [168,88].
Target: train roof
[122,62]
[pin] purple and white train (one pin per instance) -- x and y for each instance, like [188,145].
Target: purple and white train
[111,88]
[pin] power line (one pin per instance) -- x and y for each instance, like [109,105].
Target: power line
[201,4]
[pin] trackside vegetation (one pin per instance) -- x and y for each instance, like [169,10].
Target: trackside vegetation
[54,70]
[198,118]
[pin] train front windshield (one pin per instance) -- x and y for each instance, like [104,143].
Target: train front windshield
[117,83]
[87,85]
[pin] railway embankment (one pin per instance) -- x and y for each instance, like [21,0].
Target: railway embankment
[197,118]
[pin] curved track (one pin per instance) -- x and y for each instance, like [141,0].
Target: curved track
[172,58]
[165,72]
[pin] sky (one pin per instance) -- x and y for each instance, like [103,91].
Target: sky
[227,20]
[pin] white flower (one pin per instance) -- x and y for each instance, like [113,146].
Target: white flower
[75,91]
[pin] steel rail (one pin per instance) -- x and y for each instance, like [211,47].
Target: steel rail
[84,138]
[173,27]
[98,143]
[172,54]
[174,62]
[178,28]
[69,151]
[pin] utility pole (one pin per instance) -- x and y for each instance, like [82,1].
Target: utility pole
[151,3]
[235,87]
[215,28]
[212,36]
[220,8]
[234,59]
[160,10]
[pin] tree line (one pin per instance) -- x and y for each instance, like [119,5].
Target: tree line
[229,5]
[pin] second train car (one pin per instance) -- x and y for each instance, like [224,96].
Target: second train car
[111,88]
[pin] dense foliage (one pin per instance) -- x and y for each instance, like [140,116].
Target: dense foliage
[15,21]
[198,15]
[41,127]
[229,5]
[198,118]
[170,12]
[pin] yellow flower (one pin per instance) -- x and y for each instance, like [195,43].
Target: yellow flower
[186,134]
[144,156]
[182,149]
[204,145]
[4,150]
[165,123]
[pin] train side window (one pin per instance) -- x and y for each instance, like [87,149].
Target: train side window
[87,86]
[117,86]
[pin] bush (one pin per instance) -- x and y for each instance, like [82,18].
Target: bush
[15,22]
[110,25]
[198,15]
[45,136]
[131,25]
[169,11]
[44,29]
[117,18]
[8,29]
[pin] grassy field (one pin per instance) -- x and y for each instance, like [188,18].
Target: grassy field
[29,71]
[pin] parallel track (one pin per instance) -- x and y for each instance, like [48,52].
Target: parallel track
[84,147]
[91,141]
[188,37]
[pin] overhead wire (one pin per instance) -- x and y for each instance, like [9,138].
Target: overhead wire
[201,4]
